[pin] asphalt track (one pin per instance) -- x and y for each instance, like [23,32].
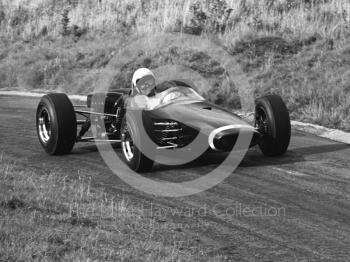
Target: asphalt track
[301,201]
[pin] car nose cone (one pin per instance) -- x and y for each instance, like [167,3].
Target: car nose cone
[225,138]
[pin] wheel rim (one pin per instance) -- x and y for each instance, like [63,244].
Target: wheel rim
[44,125]
[127,145]
[261,121]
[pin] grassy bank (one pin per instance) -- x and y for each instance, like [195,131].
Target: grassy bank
[46,216]
[297,48]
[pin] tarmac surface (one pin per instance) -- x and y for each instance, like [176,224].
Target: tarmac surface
[291,208]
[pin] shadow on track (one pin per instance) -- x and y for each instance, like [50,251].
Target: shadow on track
[254,157]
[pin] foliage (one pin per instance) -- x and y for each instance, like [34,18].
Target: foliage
[68,45]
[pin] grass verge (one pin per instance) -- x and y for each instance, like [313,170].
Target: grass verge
[47,216]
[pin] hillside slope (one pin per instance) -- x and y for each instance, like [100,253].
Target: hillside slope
[297,48]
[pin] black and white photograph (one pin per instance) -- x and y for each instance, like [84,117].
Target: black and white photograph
[175,130]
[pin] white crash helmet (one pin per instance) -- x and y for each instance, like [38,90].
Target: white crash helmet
[141,73]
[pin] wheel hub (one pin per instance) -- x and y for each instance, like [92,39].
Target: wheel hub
[44,125]
[261,121]
[127,145]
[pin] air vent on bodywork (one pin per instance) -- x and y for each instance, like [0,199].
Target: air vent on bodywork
[169,133]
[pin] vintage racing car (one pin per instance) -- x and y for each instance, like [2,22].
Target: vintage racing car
[174,123]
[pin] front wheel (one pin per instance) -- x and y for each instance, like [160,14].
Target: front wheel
[132,155]
[273,122]
[56,124]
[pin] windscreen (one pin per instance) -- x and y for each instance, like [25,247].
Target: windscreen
[173,95]
[179,93]
[176,95]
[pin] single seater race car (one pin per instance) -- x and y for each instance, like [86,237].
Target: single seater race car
[177,119]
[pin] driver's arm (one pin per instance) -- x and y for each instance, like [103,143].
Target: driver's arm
[138,102]
[144,102]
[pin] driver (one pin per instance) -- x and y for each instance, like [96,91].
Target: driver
[144,82]
[145,91]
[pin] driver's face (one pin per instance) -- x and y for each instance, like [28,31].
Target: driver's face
[146,84]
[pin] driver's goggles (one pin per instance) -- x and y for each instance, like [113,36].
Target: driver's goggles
[145,84]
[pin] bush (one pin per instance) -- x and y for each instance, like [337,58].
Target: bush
[8,76]
[65,22]
[20,16]
[2,14]
[31,77]
[211,17]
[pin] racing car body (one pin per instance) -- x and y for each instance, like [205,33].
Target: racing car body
[172,119]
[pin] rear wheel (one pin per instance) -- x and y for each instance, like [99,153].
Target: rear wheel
[56,124]
[273,122]
[132,155]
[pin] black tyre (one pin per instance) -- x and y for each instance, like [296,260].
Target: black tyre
[132,155]
[56,124]
[273,121]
